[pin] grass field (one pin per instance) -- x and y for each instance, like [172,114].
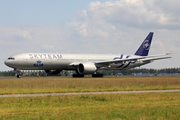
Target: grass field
[12,85]
[145,106]
[141,106]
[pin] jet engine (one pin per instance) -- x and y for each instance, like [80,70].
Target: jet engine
[53,72]
[86,68]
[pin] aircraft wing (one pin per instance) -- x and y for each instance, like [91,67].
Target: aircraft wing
[109,61]
[135,58]
[119,60]
[140,58]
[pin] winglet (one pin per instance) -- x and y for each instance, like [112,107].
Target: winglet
[145,46]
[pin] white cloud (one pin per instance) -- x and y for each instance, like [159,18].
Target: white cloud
[31,39]
[25,35]
[159,45]
[113,19]
[47,47]
[137,13]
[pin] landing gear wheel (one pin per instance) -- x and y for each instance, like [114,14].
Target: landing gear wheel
[18,76]
[18,72]
[97,75]
[78,75]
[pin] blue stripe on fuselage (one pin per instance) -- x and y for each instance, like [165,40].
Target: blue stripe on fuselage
[124,62]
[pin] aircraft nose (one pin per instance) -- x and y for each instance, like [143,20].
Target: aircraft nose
[6,62]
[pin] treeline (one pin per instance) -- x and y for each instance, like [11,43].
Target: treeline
[23,73]
[142,71]
[138,71]
[32,73]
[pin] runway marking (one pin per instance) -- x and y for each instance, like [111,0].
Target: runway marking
[87,93]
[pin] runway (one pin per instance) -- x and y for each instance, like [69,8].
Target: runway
[88,93]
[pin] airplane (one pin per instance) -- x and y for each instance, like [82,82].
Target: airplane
[54,63]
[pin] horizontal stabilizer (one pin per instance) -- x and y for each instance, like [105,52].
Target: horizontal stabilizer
[156,58]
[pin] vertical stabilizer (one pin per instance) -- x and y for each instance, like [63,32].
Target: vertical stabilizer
[145,46]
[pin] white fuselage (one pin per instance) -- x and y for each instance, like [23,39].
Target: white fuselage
[57,61]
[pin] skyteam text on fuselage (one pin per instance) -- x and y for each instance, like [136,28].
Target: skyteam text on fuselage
[54,63]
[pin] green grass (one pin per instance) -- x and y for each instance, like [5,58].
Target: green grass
[26,85]
[144,106]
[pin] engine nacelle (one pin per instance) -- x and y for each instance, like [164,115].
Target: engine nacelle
[53,72]
[86,68]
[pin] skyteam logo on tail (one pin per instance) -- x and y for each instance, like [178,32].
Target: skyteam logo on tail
[38,64]
[146,45]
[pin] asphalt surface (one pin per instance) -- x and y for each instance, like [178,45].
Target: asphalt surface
[88,93]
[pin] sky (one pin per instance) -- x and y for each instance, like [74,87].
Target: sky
[90,26]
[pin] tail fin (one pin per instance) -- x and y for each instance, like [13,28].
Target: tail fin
[145,46]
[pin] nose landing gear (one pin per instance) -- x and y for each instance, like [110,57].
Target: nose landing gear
[18,73]
[18,76]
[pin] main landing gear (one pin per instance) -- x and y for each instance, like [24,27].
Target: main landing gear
[97,75]
[78,75]
[82,75]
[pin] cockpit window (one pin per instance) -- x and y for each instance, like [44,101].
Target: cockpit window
[11,58]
